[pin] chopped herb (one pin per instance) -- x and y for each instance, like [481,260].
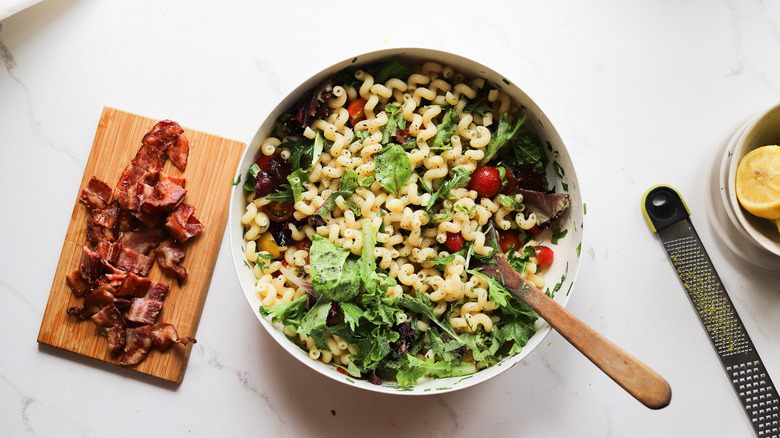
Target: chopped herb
[235,181]
[460,178]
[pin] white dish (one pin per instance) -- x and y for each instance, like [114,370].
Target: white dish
[763,130]
[719,207]
[567,251]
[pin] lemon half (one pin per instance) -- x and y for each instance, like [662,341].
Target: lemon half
[758,182]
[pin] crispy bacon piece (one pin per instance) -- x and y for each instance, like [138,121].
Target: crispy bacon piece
[143,310]
[140,287]
[138,343]
[179,152]
[108,316]
[143,240]
[91,267]
[182,224]
[95,301]
[165,197]
[164,334]
[106,216]
[108,251]
[76,283]
[179,181]
[134,262]
[96,194]
[97,233]
[169,256]
[116,338]
[163,135]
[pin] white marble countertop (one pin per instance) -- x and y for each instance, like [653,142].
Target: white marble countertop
[641,92]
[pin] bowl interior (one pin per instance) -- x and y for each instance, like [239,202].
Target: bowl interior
[559,278]
[765,130]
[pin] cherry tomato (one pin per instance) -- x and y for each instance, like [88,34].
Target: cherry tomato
[535,230]
[273,172]
[544,256]
[278,212]
[454,242]
[356,111]
[266,243]
[508,239]
[486,181]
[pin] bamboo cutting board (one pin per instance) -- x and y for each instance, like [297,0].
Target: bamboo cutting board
[212,163]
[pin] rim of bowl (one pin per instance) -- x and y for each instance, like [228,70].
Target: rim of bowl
[763,130]
[564,272]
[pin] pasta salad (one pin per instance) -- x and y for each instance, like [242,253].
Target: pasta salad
[367,218]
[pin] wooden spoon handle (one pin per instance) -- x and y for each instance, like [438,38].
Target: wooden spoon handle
[635,377]
[627,371]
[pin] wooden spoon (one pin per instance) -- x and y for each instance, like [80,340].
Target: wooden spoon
[634,376]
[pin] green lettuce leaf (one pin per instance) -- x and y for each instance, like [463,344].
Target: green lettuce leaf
[444,131]
[393,168]
[504,133]
[335,275]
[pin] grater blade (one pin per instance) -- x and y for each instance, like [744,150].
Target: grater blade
[667,215]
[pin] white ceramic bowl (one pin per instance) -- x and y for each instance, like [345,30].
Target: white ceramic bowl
[567,251]
[761,131]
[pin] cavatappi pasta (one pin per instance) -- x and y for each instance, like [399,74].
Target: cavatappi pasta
[427,226]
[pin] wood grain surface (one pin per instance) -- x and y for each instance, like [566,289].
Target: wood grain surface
[212,163]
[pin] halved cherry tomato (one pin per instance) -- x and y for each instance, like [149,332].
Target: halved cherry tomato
[266,243]
[507,240]
[356,111]
[544,256]
[278,212]
[454,242]
[486,181]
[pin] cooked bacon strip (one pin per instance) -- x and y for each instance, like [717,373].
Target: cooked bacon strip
[143,310]
[106,216]
[167,195]
[178,180]
[179,152]
[134,262]
[96,194]
[143,240]
[144,168]
[138,342]
[108,251]
[169,256]
[97,233]
[182,224]
[108,316]
[76,283]
[164,334]
[142,287]
[116,338]
[157,291]
[91,266]
[134,286]
[96,301]
[163,135]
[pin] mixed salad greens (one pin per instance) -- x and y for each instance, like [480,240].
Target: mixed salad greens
[347,294]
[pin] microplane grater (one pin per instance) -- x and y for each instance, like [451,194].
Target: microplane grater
[668,217]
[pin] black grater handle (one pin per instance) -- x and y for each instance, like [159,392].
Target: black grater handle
[662,206]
